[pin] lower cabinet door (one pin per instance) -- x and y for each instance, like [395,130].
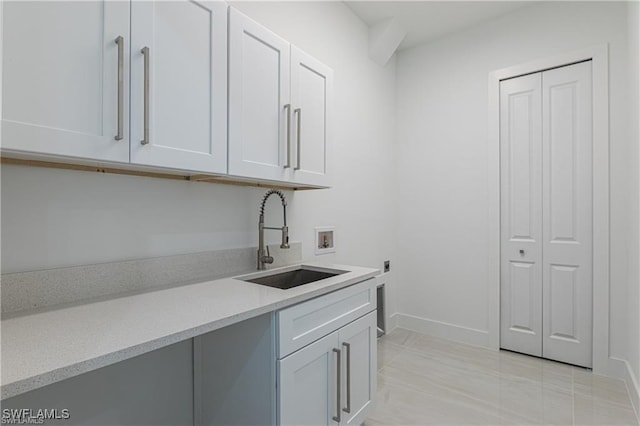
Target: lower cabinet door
[331,381]
[309,384]
[359,365]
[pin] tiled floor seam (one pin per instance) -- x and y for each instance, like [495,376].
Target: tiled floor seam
[573,397]
[401,347]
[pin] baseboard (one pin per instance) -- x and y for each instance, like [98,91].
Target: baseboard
[392,322]
[621,369]
[443,330]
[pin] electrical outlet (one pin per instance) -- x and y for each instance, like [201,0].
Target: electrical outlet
[387,265]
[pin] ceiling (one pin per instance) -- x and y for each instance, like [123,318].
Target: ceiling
[428,20]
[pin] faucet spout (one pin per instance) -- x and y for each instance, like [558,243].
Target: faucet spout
[285,238]
[263,251]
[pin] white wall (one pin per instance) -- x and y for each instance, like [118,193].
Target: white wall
[634,194]
[56,218]
[442,139]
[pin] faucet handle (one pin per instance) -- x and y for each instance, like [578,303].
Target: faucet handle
[268,258]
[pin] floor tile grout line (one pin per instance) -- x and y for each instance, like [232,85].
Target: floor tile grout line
[399,346]
[573,396]
[393,358]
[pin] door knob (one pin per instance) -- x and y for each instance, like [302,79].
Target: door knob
[521,252]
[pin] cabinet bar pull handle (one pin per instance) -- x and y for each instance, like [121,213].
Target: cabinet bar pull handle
[338,375]
[120,43]
[145,53]
[287,107]
[347,409]
[299,112]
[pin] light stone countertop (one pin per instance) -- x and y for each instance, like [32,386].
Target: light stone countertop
[50,346]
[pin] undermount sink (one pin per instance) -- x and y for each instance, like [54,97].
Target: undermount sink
[297,277]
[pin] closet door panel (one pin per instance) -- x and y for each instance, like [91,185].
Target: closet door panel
[521,223]
[567,153]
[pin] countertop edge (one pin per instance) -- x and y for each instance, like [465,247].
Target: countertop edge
[31,383]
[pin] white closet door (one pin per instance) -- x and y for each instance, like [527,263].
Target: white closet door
[547,214]
[187,85]
[521,215]
[567,158]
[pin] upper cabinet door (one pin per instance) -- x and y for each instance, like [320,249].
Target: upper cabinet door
[311,88]
[259,110]
[64,90]
[179,85]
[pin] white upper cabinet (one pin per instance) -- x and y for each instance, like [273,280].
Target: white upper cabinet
[279,102]
[179,85]
[65,79]
[259,108]
[66,82]
[311,89]
[192,86]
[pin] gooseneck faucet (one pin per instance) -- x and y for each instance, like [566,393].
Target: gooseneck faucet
[263,258]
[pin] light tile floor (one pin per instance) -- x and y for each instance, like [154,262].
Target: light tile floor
[424,380]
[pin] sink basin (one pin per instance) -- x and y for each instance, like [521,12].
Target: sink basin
[297,277]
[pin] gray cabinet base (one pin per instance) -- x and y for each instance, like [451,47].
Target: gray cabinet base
[234,370]
[152,389]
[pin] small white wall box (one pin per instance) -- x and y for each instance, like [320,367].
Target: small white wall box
[325,240]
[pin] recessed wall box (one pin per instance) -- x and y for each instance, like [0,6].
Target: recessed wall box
[325,240]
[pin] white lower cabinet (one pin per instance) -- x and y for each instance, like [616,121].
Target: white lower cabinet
[333,379]
[308,383]
[359,363]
